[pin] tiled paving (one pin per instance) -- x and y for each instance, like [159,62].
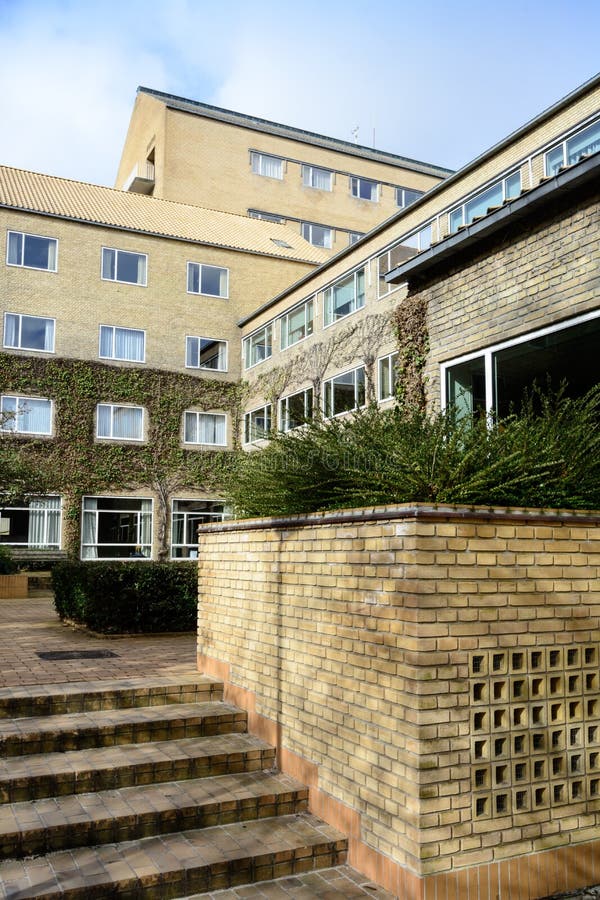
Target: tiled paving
[341,883]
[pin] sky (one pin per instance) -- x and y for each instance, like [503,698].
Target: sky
[438,81]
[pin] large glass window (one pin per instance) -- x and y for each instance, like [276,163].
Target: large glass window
[122,343]
[25,415]
[584,143]
[344,297]
[120,422]
[28,332]
[387,376]
[205,428]
[318,235]
[32,251]
[116,527]
[121,265]
[364,189]
[33,523]
[210,280]
[186,516]
[406,247]
[296,410]
[345,392]
[264,164]
[257,424]
[258,347]
[205,353]
[505,189]
[313,177]
[297,324]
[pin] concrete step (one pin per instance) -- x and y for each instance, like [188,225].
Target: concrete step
[108,727]
[60,699]
[79,820]
[180,864]
[109,768]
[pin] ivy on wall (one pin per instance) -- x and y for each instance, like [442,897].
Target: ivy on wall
[410,324]
[79,463]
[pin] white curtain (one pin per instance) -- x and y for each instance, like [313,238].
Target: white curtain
[89,525]
[15,248]
[129,344]
[34,416]
[44,522]
[11,330]
[145,526]
[127,422]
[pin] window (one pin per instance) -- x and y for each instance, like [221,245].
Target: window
[116,527]
[388,376]
[28,332]
[345,392]
[297,324]
[279,243]
[313,177]
[258,346]
[495,195]
[406,196]
[268,217]
[205,353]
[31,251]
[257,424]
[364,189]
[122,343]
[581,144]
[34,523]
[354,236]
[344,297]
[269,166]
[25,415]
[496,378]
[210,280]
[319,235]
[296,410]
[124,423]
[205,428]
[185,518]
[405,248]
[121,265]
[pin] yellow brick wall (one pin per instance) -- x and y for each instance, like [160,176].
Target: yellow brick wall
[372,641]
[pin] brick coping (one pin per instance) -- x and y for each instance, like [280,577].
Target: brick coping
[417,511]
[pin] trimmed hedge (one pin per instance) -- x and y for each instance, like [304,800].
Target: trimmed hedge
[127,597]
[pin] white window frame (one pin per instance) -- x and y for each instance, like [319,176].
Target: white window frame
[284,408]
[250,437]
[358,302]
[462,208]
[401,193]
[14,417]
[19,344]
[285,339]
[309,232]
[564,147]
[51,519]
[192,549]
[261,337]
[355,188]
[117,253]
[329,385]
[391,359]
[198,416]
[87,513]
[311,173]
[191,266]
[114,408]
[199,338]
[42,237]
[113,341]
[259,161]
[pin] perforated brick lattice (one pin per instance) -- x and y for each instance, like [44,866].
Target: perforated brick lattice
[535,729]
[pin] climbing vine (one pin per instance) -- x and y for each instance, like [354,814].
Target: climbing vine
[410,324]
[78,463]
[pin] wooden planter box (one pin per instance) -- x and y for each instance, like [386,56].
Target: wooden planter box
[13,587]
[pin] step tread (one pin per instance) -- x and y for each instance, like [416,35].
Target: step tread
[72,820]
[77,770]
[193,860]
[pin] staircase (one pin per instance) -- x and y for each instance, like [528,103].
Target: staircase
[144,788]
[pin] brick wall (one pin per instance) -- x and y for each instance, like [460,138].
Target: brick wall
[433,675]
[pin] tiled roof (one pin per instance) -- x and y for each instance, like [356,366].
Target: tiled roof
[82,202]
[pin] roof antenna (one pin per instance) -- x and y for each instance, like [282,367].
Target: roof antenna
[354,133]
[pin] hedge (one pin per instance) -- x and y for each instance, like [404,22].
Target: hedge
[127,597]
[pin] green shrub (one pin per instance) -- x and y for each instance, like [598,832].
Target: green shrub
[545,455]
[127,597]
[8,566]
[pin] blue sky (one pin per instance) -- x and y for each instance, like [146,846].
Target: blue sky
[436,81]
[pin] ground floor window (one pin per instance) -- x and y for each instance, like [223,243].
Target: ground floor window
[33,523]
[345,392]
[116,527]
[497,377]
[186,516]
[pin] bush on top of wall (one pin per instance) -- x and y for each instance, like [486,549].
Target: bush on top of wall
[127,597]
